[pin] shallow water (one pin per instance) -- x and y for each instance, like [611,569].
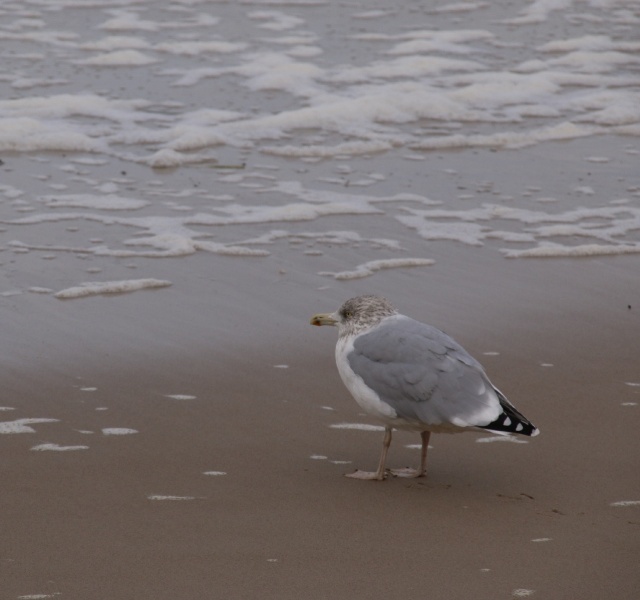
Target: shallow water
[145,131]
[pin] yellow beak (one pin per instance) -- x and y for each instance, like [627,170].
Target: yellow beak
[324,319]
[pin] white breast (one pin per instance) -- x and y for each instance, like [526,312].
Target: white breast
[366,398]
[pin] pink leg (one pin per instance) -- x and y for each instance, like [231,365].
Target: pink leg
[379,474]
[425,435]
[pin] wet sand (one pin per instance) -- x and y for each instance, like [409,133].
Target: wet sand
[491,520]
[186,447]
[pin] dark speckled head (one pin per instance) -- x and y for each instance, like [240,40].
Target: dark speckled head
[356,314]
[362,312]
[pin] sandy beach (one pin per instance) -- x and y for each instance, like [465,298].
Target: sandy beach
[183,185]
[136,516]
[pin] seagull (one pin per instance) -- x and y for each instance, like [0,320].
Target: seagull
[412,376]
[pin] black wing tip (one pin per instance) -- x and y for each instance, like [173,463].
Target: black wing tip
[511,420]
[510,423]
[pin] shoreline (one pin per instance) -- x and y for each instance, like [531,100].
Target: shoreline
[135,515]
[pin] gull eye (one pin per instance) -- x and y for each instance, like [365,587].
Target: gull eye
[348,314]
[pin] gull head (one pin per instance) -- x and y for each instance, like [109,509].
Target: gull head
[356,315]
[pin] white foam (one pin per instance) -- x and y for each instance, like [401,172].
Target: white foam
[538,11]
[408,92]
[24,83]
[125,20]
[170,498]
[415,446]
[181,397]
[22,134]
[195,48]
[428,41]
[328,238]
[541,540]
[470,226]
[370,267]
[371,14]
[626,503]
[172,236]
[502,438]
[551,250]
[118,431]
[58,448]
[458,7]
[93,201]
[22,425]
[359,426]
[275,20]
[94,288]
[214,473]
[118,58]
[318,457]
[116,42]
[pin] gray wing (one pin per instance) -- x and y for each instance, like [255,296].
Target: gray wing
[424,375]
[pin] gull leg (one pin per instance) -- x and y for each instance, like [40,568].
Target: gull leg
[379,474]
[425,435]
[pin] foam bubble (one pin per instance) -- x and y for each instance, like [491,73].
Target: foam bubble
[552,250]
[110,287]
[125,20]
[502,438]
[94,201]
[370,267]
[537,12]
[359,426]
[118,431]
[118,58]
[22,425]
[58,448]
[195,48]
[170,498]
[626,503]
